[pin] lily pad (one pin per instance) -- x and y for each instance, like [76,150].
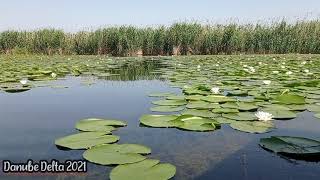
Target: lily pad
[218,99]
[198,124]
[280,114]
[148,169]
[200,113]
[161,121]
[225,110]
[202,105]
[241,116]
[290,99]
[252,126]
[288,145]
[85,140]
[317,115]
[170,102]
[93,124]
[167,108]
[110,154]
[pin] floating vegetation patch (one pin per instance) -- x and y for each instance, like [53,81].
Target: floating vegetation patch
[298,147]
[85,140]
[147,169]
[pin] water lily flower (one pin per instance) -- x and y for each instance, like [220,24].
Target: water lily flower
[304,62]
[275,72]
[306,70]
[283,63]
[69,59]
[24,81]
[267,82]
[274,59]
[215,90]
[264,116]
[245,65]
[53,75]
[260,63]
[198,66]
[289,73]
[283,67]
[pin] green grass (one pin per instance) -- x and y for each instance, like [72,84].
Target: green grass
[179,39]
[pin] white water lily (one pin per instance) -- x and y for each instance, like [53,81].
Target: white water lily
[264,116]
[215,90]
[245,65]
[198,66]
[274,59]
[306,70]
[24,81]
[283,67]
[304,62]
[53,75]
[267,82]
[260,63]
[275,72]
[289,73]
[283,63]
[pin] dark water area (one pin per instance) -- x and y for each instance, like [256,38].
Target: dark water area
[30,122]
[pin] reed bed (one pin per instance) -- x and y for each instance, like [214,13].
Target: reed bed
[178,39]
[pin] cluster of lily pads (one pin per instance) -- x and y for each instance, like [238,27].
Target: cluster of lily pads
[247,92]
[101,148]
[22,73]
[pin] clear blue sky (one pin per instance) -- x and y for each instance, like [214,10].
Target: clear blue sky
[73,15]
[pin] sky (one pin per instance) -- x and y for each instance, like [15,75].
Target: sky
[74,15]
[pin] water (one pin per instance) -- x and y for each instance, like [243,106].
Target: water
[32,120]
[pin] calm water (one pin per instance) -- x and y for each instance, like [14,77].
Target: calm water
[32,120]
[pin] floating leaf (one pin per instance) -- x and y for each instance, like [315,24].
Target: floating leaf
[241,116]
[225,110]
[167,108]
[217,99]
[252,126]
[201,105]
[163,121]
[198,124]
[93,124]
[201,113]
[291,145]
[170,102]
[317,115]
[280,114]
[85,140]
[110,154]
[148,169]
[290,99]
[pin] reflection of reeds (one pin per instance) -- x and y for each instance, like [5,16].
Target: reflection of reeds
[179,38]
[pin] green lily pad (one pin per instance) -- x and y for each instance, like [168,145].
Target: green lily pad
[175,97]
[317,115]
[291,145]
[110,154]
[198,124]
[280,114]
[93,124]
[252,126]
[313,107]
[242,106]
[161,121]
[290,99]
[200,113]
[218,99]
[148,169]
[167,108]
[202,105]
[85,140]
[241,116]
[225,110]
[170,102]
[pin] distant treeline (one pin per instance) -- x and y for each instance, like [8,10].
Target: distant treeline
[177,39]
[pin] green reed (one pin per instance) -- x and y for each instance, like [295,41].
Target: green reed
[178,39]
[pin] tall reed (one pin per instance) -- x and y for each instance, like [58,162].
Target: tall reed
[179,39]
